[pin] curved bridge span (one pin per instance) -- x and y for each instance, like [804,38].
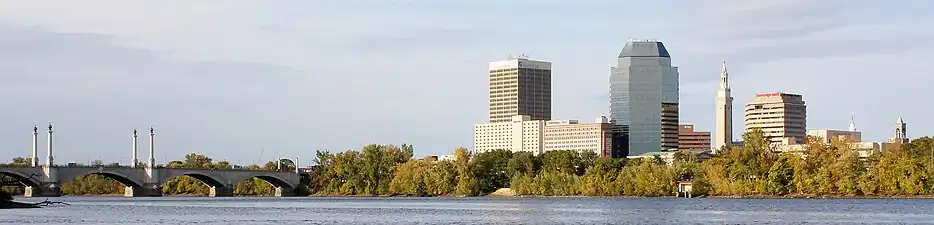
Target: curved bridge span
[46,181]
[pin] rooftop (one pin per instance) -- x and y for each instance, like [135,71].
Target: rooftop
[644,48]
[776,94]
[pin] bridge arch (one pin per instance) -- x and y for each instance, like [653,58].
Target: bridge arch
[204,178]
[119,177]
[20,176]
[273,180]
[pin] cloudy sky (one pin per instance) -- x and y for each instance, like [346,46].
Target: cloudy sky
[251,80]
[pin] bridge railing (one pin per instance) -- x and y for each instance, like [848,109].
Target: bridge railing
[14,166]
[303,170]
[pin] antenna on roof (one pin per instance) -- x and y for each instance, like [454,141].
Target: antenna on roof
[522,56]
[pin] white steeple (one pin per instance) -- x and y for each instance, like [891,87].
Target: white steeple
[724,120]
[853,122]
[901,135]
[724,78]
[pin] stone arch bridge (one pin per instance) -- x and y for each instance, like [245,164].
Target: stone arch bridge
[46,181]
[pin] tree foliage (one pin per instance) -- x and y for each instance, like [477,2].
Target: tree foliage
[822,169]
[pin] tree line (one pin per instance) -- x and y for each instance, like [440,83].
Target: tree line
[97,184]
[754,169]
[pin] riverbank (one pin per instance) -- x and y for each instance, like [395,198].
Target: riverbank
[509,193]
[809,196]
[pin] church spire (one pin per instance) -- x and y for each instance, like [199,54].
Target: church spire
[853,122]
[724,78]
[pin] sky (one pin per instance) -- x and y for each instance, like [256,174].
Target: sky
[247,81]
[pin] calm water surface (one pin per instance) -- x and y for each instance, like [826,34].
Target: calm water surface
[169,210]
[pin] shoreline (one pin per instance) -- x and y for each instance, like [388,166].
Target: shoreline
[805,196]
[510,194]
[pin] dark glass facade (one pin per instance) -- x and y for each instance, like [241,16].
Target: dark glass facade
[642,80]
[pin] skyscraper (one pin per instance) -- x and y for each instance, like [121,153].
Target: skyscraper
[519,86]
[782,117]
[644,96]
[724,126]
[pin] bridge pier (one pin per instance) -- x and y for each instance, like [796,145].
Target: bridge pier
[148,190]
[44,190]
[221,191]
[285,192]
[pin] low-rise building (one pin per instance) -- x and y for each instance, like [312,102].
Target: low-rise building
[539,136]
[446,158]
[689,139]
[520,134]
[864,149]
[827,136]
[667,157]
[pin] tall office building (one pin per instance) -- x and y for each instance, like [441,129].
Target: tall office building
[781,117]
[519,86]
[644,96]
[724,126]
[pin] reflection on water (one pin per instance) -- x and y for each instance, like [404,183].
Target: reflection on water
[168,210]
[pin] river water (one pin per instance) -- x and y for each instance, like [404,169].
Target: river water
[377,210]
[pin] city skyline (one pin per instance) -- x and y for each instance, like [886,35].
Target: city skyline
[228,80]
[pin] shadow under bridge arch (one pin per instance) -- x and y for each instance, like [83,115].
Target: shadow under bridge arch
[123,179]
[206,179]
[274,181]
[26,180]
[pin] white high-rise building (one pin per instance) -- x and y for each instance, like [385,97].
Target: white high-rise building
[724,126]
[782,117]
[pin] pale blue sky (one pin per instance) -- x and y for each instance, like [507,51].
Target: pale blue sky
[228,78]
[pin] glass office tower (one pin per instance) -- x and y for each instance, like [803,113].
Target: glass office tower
[644,96]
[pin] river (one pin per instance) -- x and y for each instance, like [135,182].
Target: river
[483,210]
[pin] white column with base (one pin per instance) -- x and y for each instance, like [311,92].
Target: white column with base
[35,147]
[135,161]
[49,159]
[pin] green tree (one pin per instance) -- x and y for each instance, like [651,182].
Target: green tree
[600,178]
[407,151]
[466,184]
[442,178]
[565,161]
[20,162]
[411,178]
[489,168]
[781,175]
[92,184]
[523,163]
